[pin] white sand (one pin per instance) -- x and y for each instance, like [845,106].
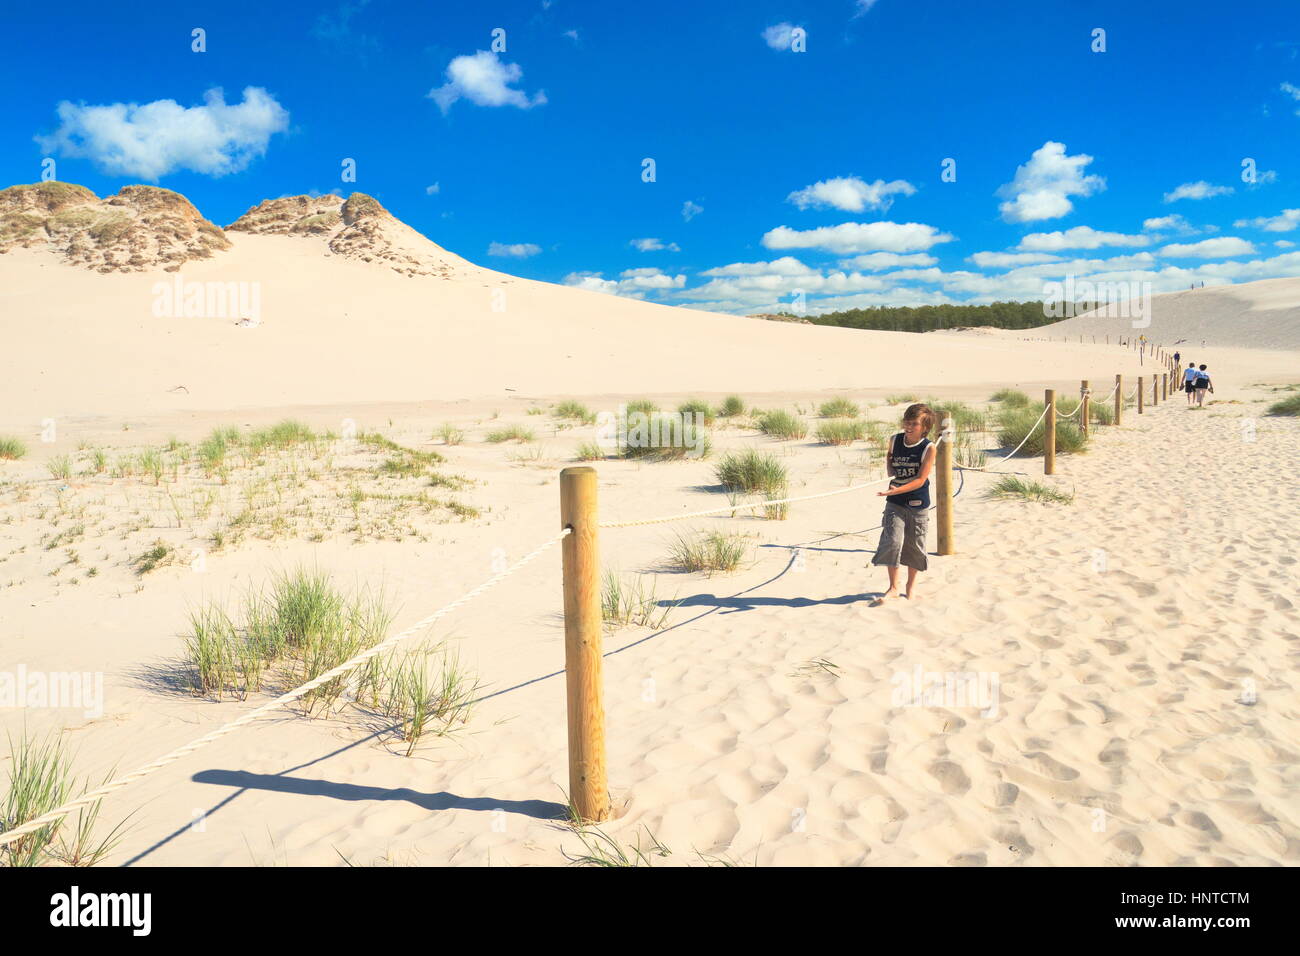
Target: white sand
[1120,690]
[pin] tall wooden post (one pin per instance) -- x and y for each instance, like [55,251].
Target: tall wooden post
[1049,433]
[1140,394]
[588,791]
[943,485]
[1164,386]
[1155,389]
[1119,399]
[1083,407]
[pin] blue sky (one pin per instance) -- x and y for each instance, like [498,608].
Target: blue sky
[783,178]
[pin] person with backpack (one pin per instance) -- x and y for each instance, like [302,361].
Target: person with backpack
[1189,382]
[1202,383]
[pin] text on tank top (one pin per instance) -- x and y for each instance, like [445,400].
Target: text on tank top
[907,461]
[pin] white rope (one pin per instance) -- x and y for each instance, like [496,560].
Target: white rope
[731,509]
[350,665]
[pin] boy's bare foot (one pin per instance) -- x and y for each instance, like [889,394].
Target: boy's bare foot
[888,595]
[912,595]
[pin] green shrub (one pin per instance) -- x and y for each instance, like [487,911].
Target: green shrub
[841,431]
[1010,398]
[839,408]
[731,406]
[12,448]
[697,407]
[710,551]
[574,410]
[1287,406]
[752,471]
[663,436]
[781,424]
[1009,486]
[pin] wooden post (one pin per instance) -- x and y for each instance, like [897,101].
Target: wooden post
[1155,389]
[1164,386]
[943,485]
[1119,399]
[1083,407]
[1049,433]
[1140,393]
[588,791]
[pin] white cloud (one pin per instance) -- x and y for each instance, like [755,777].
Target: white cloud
[1173,222]
[1002,260]
[1284,244]
[863,7]
[778,36]
[1209,248]
[483,79]
[852,237]
[518,250]
[1079,237]
[1197,190]
[850,194]
[873,261]
[571,34]
[432,190]
[1287,220]
[150,141]
[1042,187]
[785,266]
[633,284]
[690,210]
[654,245]
[1293,92]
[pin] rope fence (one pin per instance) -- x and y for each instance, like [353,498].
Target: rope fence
[582,618]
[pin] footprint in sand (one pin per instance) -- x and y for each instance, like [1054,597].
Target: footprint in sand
[1114,756]
[969,859]
[1050,767]
[1200,821]
[952,779]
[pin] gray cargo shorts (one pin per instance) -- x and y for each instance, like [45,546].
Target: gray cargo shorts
[902,537]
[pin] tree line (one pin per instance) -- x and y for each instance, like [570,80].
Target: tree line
[928,318]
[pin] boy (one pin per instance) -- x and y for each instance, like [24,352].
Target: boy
[1189,382]
[1202,383]
[909,457]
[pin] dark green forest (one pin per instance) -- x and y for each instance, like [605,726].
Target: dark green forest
[927,318]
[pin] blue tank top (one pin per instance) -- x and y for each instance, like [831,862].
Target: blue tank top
[907,465]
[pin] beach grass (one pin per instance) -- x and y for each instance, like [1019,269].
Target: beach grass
[1287,406]
[709,551]
[663,436]
[841,431]
[781,424]
[574,410]
[11,448]
[752,471]
[515,433]
[731,406]
[1013,424]
[698,409]
[839,408]
[1010,486]
[631,603]
[1010,398]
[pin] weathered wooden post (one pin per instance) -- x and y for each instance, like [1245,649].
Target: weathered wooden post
[1049,433]
[588,790]
[943,484]
[1119,399]
[1083,406]
[1140,394]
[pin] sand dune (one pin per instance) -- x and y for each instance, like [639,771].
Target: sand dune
[1258,315]
[1141,640]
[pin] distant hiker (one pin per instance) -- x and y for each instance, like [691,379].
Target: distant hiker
[1202,383]
[1178,359]
[908,460]
[1189,382]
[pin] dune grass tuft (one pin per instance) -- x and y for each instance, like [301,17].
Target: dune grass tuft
[1010,398]
[1013,424]
[699,409]
[663,436]
[781,424]
[707,551]
[752,471]
[1009,486]
[11,448]
[517,433]
[1287,406]
[624,603]
[842,431]
[731,406]
[839,408]
[574,410]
